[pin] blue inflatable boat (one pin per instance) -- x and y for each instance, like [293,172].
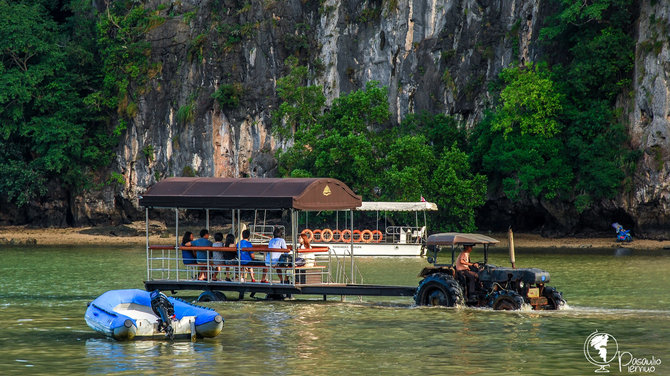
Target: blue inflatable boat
[133,313]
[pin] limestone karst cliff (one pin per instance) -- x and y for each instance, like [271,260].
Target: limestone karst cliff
[432,55]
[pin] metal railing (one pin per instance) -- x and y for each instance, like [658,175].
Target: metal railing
[166,263]
[262,233]
[405,234]
[342,274]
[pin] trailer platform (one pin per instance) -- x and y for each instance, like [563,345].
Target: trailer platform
[278,288]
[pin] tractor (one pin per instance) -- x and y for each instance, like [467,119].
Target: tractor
[500,288]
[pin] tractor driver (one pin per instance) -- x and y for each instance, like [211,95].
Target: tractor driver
[463,266]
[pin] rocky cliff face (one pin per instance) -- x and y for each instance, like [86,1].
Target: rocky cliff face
[648,201]
[433,55]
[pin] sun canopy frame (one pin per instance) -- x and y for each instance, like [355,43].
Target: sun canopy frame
[396,206]
[236,194]
[457,238]
[251,193]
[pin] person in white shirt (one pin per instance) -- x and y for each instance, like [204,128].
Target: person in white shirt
[272,258]
[309,257]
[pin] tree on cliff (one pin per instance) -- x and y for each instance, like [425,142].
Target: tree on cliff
[351,142]
[47,132]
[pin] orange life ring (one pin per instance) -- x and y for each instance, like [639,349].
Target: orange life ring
[379,233]
[326,235]
[368,238]
[317,238]
[357,232]
[337,235]
[309,233]
[346,236]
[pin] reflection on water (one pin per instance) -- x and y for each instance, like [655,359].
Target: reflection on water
[43,305]
[112,357]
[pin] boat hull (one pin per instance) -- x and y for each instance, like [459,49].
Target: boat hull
[127,314]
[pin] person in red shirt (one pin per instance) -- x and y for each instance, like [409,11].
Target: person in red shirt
[463,265]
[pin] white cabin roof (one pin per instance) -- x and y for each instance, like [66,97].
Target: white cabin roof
[396,206]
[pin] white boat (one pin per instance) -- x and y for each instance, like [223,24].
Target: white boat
[404,240]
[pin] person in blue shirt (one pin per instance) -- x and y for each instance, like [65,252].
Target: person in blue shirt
[202,241]
[272,258]
[246,257]
[188,257]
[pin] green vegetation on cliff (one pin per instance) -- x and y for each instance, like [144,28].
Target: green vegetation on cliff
[554,133]
[350,141]
[71,79]
[47,127]
[65,71]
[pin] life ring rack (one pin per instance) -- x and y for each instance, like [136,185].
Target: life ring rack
[327,235]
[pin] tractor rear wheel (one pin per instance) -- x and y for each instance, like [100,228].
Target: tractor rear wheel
[506,300]
[439,289]
[554,298]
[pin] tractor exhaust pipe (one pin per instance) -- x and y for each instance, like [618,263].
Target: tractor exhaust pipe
[512,258]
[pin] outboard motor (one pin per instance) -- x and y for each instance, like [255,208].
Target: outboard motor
[164,310]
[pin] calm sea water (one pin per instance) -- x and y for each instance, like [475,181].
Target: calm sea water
[44,292]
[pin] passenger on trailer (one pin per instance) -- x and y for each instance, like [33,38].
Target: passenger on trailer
[217,256]
[272,258]
[309,258]
[229,257]
[203,241]
[246,257]
[188,257]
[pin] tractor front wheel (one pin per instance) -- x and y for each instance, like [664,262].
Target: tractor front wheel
[506,300]
[554,298]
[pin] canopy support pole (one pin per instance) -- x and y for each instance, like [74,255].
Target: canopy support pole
[207,219]
[351,242]
[239,225]
[146,219]
[294,240]
[176,232]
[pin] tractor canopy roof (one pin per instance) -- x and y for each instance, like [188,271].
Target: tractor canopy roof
[457,238]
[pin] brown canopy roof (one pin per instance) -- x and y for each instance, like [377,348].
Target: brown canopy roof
[449,238]
[252,193]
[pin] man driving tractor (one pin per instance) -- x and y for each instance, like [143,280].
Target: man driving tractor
[463,265]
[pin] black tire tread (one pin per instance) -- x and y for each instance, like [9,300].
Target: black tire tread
[509,295]
[447,282]
[554,297]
